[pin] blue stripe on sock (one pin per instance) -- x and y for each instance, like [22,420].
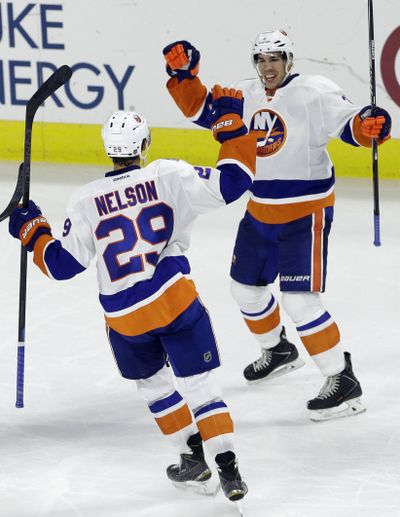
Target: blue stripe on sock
[162,405]
[267,308]
[210,407]
[315,323]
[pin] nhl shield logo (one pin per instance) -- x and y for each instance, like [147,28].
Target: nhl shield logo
[271,130]
[207,357]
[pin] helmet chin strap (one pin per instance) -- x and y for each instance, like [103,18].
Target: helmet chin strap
[143,154]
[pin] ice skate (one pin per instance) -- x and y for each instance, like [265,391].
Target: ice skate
[339,396]
[279,360]
[192,472]
[232,484]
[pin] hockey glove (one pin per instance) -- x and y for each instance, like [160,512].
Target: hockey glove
[182,60]
[225,113]
[377,125]
[28,224]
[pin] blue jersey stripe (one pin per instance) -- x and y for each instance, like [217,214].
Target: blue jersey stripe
[347,135]
[233,181]
[277,189]
[202,120]
[61,264]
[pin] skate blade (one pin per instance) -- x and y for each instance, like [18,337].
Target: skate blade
[239,508]
[198,487]
[283,370]
[348,408]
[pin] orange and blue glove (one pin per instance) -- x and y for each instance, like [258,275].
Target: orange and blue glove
[376,125]
[226,113]
[183,60]
[28,224]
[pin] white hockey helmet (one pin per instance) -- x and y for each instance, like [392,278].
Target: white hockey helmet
[124,133]
[272,41]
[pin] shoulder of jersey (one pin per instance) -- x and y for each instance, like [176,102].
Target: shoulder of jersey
[86,190]
[159,168]
[318,82]
[247,85]
[168,166]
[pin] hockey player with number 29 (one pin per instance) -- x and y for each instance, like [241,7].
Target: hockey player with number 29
[286,226]
[136,221]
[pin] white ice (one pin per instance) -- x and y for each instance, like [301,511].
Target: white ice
[85,444]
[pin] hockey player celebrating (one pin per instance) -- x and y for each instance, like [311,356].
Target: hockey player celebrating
[286,226]
[136,222]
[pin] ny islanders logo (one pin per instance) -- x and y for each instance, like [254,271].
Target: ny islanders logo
[271,131]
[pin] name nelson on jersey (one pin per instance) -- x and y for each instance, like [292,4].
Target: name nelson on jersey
[130,196]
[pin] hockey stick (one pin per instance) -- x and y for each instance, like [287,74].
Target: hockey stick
[375,175]
[52,84]
[16,196]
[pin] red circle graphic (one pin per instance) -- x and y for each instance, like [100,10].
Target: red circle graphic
[388,65]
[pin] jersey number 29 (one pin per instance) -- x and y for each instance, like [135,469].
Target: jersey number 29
[142,228]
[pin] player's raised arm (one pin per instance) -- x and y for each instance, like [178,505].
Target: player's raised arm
[189,93]
[354,125]
[234,173]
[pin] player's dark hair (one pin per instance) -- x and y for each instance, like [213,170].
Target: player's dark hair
[282,54]
[125,161]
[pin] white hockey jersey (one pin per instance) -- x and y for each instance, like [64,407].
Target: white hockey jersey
[137,222]
[294,173]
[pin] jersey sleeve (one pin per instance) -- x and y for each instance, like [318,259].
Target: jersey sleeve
[337,110]
[64,258]
[192,98]
[208,187]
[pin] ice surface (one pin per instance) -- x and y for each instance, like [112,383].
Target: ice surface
[85,444]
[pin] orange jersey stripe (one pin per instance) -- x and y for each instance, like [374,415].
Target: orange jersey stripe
[242,149]
[175,421]
[266,324]
[158,313]
[214,425]
[279,214]
[317,251]
[322,341]
[188,94]
[38,252]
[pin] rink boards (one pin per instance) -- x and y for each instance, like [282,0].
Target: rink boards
[81,143]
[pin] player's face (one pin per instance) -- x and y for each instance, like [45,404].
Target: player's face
[272,68]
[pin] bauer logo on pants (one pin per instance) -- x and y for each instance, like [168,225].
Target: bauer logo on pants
[272,132]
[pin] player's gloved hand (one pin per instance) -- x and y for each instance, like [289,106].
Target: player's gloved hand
[182,60]
[28,224]
[225,113]
[377,125]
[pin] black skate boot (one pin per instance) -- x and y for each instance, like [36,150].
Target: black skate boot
[339,396]
[192,472]
[282,358]
[231,482]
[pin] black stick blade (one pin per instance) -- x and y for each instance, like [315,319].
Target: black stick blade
[55,81]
